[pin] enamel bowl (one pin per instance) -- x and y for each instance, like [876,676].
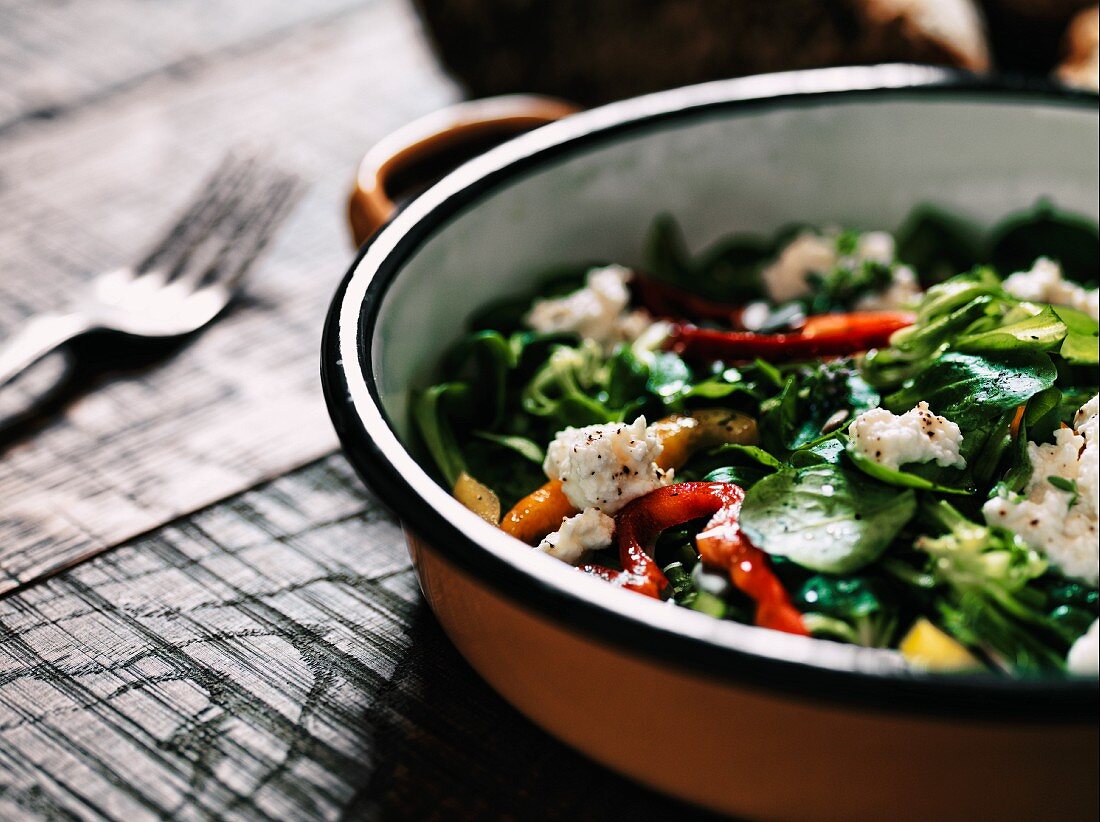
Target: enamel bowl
[727,716]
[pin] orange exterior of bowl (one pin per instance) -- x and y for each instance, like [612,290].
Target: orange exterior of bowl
[748,753]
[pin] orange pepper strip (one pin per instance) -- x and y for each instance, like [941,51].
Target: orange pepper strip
[542,511]
[1014,429]
[538,513]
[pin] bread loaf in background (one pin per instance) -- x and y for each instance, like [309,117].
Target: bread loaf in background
[1081,66]
[593,51]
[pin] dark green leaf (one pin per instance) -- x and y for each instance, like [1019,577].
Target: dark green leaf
[971,389]
[669,376]
[666,254]
[779,421]
[430,414]
[483,359]
[937,243]
[752,452]
[521,445]
[1044,231]
[744,475]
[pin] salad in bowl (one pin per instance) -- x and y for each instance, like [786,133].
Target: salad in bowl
[888,440]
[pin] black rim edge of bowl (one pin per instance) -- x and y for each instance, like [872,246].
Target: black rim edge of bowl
[975,697]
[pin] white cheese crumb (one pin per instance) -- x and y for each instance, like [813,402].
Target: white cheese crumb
[605,466]
[587,531]
[808,253]
[1084,656]
[1044,283]
[916,436]
[1060,523]
[876,247]
[597,312]
[787,278]
[903,292]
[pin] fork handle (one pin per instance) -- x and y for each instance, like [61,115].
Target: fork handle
[36,339]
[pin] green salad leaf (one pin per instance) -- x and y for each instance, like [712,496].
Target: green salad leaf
[972,389]
[985,600]
[1041,331]
[431,414]
[855,609]
[528,449]
[897,477]
[1082,343]
[824,517]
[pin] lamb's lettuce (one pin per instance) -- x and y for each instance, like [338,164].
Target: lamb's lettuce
[1036,328]
[982,574]
[825,517]
[900,478]
[856,609]
[1081,345]
[431,410]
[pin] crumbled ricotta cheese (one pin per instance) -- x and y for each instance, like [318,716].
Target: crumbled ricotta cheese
[605,466]
[787,278]
[1060,523]
[647,343]
[589,530]
[808,253]
[1044,283]
[876,247]
[916,436]
[598,311]
[1084,656]
[903,292]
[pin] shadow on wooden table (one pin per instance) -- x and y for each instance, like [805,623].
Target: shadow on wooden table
[448,747]
[42,396]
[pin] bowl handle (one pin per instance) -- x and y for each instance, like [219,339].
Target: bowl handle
[407,161]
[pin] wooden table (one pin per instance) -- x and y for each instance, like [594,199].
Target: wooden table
[253,644]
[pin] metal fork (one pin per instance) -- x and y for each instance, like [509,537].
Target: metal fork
[187,278]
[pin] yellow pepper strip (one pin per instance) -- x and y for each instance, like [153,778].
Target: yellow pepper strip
[542,511]
[927,647]
[478,497]
[684,434]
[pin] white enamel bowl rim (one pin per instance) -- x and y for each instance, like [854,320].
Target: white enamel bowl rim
[745,655]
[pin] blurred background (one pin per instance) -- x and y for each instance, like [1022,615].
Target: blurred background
[593,52]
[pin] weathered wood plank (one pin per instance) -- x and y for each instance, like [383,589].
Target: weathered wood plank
[56,56]
[267,657]
[85,192]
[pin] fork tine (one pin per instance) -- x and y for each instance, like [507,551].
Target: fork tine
[217,189]
[252,242]
[237,239]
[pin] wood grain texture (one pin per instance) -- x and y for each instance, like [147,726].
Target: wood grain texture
[87,188]
[52,54]
[268,657]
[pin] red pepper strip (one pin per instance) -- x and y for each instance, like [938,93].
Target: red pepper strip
[674,303]
[722,544]
[822,336]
